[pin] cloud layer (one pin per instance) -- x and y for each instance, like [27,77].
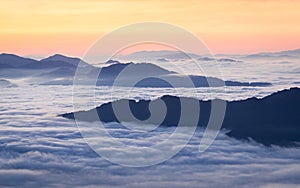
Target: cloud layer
[39,149]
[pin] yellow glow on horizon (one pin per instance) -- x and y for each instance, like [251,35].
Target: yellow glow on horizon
[232,26]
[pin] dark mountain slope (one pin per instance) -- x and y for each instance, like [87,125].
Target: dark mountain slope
[14,61]
[274,119]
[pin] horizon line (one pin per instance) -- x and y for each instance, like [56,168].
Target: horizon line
[42,56]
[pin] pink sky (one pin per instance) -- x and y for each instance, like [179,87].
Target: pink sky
[71,27]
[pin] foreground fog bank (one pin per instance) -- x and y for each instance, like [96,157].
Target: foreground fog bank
[37,148]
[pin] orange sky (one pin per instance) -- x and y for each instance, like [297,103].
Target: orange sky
[46,27]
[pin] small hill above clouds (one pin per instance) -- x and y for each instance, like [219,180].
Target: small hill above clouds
[150,75]
[6,83]
[228,60]
[223,59]
[139,68]
[110,62]
[129,72]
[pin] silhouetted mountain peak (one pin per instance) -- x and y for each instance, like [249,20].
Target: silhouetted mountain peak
[59,57]
[139,67]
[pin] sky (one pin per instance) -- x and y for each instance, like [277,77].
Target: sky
[46,27]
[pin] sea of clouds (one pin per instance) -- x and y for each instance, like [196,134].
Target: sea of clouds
[37,148]
[40,149]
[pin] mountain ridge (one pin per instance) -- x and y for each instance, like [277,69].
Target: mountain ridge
[272,120]
[60,66]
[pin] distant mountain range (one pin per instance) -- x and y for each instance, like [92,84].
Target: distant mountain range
[271,120]
[166,54]
[14,61]
[60,70]
[55,61]
[291,54]
[169,55]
